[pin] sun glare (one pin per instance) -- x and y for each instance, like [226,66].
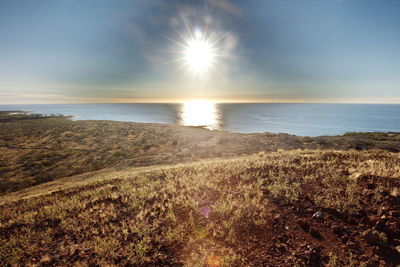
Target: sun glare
[200,113]
[201,48]
[199,55]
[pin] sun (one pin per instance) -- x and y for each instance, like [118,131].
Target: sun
[199,54]
[201,47]
[199,51]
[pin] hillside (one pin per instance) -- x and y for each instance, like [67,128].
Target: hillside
[35,149]
[96,193]
[248,211]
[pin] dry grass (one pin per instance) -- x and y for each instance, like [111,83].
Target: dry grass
[35,150]
[238,212]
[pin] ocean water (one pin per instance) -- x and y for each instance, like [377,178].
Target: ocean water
[298,119]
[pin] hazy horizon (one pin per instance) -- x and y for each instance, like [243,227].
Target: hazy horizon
[43,101]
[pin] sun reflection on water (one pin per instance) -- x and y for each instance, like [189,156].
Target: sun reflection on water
[200,113]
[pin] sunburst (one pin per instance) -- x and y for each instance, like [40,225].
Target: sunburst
[199,50]
[199,54]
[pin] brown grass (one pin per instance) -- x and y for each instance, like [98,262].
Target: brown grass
[41,149]
[248,211]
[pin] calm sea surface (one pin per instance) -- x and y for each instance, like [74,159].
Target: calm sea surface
[298,119]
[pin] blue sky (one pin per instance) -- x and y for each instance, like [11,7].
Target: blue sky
[125,51]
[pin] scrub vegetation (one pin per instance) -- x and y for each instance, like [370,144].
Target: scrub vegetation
[209,198]
[35,149]
[247,211]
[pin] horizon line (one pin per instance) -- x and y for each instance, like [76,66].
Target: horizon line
[216,102]
[31,99]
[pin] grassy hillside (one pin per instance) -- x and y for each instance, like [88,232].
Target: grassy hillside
[248,211]
[35,149]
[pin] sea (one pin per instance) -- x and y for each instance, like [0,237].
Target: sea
[293,118]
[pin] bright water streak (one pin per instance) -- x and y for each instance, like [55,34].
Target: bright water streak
[200,113]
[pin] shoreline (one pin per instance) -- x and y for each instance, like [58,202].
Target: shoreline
[77,118]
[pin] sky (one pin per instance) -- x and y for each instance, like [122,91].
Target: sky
[73,51]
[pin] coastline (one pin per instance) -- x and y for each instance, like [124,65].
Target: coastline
[298,119]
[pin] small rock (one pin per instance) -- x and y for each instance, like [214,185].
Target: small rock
[374,237]
[318,215]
